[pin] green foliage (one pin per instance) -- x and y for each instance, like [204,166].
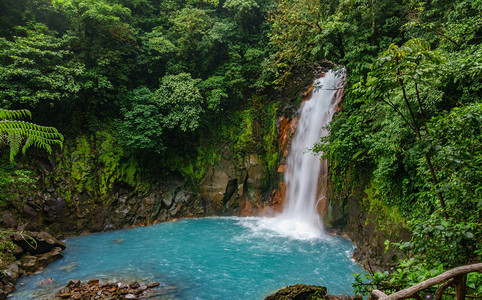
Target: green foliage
[6,251]
[214,90]
[16,185]
[457,140]
[174,108]
[141,128]
[243,10]
[239,133]
[180,102]
[195,169]
[408,83]
[15,132]
[36,68]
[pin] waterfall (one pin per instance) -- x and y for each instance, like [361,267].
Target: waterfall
[306,174]
[304,168]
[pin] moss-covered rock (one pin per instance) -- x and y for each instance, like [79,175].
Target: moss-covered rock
[299,292]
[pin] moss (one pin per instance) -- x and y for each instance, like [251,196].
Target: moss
[6,250]
[270,142]
[386,217]
[239,133]
[93,165]
[130,173]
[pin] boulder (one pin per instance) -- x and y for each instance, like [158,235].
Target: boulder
[17,250]
[73,284]
[9,220]
[213,185]
[109,290]
[46,282]
[167,200]
[30,263]
[11,273]
[299,292]
[28,211]
[6,289]
[43,243]
[47,258]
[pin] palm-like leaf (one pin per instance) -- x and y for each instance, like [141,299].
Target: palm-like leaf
[14,132]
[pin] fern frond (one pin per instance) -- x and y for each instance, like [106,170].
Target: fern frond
[6,114]
[13,132]
[14,140]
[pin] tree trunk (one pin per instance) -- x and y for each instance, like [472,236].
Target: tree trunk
[435,183]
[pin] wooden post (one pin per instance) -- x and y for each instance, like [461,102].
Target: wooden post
[461,287]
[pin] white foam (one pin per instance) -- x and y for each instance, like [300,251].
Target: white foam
[281,227]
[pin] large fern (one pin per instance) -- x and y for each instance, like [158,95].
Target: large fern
[15,132]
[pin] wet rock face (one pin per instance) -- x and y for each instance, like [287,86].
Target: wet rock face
[162,201]
[94,186]
[8,220]
[234,187]
[214,185]
[36,250]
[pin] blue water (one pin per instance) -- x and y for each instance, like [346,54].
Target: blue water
[209,258]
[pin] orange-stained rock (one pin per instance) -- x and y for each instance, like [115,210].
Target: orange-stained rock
[322,207]
[286,130]
[307,95]
[278,196]
[283,137]
[281,168]
[246,208]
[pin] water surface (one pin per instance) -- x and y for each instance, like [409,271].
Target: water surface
[209,258]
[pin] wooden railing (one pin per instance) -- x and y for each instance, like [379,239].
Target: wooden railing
[455,277]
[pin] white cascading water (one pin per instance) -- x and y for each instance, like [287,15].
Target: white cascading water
[300,218]
[303,167]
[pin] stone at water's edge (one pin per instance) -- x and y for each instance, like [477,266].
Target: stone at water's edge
[44,250]
[110,290]
[44,242]
[306,292]
[299,292]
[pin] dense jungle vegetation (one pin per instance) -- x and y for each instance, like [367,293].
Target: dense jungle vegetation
[174,80]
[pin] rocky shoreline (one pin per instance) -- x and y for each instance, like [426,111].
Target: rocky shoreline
[32,251]
[93,289]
